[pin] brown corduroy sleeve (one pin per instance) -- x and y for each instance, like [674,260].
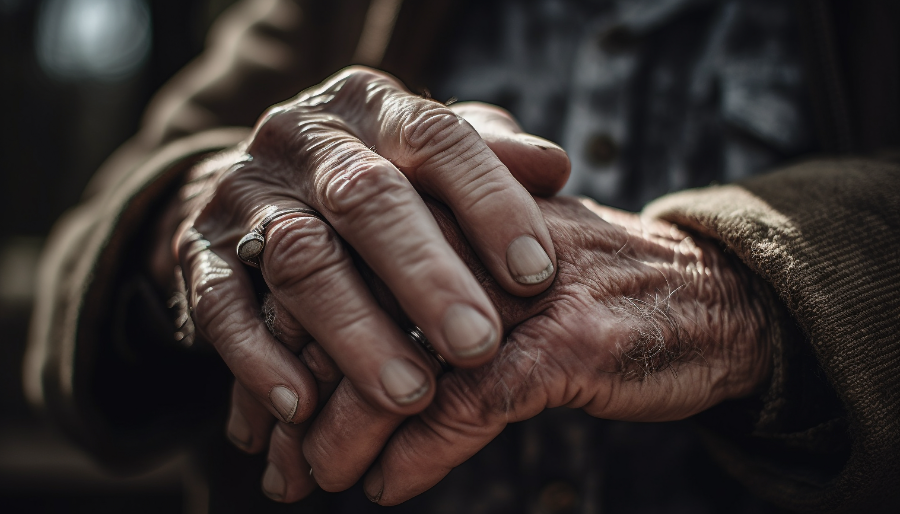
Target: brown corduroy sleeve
[826,236]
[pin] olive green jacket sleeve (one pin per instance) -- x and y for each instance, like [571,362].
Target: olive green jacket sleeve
[826,235]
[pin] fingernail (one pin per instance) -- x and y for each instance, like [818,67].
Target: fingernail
[527,261]
[467,331]
[373,485]
[403,381]
[273,483]
[285,402]
[239,430]
[539,142]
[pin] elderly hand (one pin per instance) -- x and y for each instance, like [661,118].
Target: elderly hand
[642,323]
[359,149]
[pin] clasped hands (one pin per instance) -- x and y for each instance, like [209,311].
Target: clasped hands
[536,301]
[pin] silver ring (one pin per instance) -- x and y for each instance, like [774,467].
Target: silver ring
[251,246]
[415,333]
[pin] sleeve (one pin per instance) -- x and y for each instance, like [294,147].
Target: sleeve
[99,360]
[825,235]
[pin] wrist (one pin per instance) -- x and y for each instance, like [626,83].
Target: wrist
[759,317]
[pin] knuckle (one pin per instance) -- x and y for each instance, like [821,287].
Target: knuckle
[360,185]
[482,189]
[431,129]
[238,191]
[269,134]
[457,406]
[299,249]
[362,79]
[363,74]
[214,315]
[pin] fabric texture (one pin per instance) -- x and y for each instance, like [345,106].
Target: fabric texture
[648,97]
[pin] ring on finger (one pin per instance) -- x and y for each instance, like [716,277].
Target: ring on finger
[251,246]
[415,333]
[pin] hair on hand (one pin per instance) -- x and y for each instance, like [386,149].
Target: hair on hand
[657,342]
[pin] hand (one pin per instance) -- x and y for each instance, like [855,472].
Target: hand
[358,149]
[643,323]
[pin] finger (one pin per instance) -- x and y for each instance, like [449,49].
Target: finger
[283,325]
[541,166]
[323,368]
[471,408]
[291,333]
[347,434]
[286,478]
[225,312]
[345,438]
[311,273]
[249,422]
[443,156]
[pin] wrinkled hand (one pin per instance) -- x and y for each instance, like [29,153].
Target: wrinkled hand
[642,323]
[359,149]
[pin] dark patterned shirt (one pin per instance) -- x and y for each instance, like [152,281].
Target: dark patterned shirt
[647,96]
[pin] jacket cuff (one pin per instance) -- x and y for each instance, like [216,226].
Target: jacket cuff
[823,235]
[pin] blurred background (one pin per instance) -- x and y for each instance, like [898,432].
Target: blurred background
[76,75]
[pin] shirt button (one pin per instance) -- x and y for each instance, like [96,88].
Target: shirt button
[558,498]
[600,149]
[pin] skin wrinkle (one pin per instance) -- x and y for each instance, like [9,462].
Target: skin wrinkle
[466,148]
[476,190]
[429,134]
[648,351]
[300,249]
[351,192]
[658,309]
[348,321]
[431,180]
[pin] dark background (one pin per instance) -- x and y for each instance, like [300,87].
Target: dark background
[56,131]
